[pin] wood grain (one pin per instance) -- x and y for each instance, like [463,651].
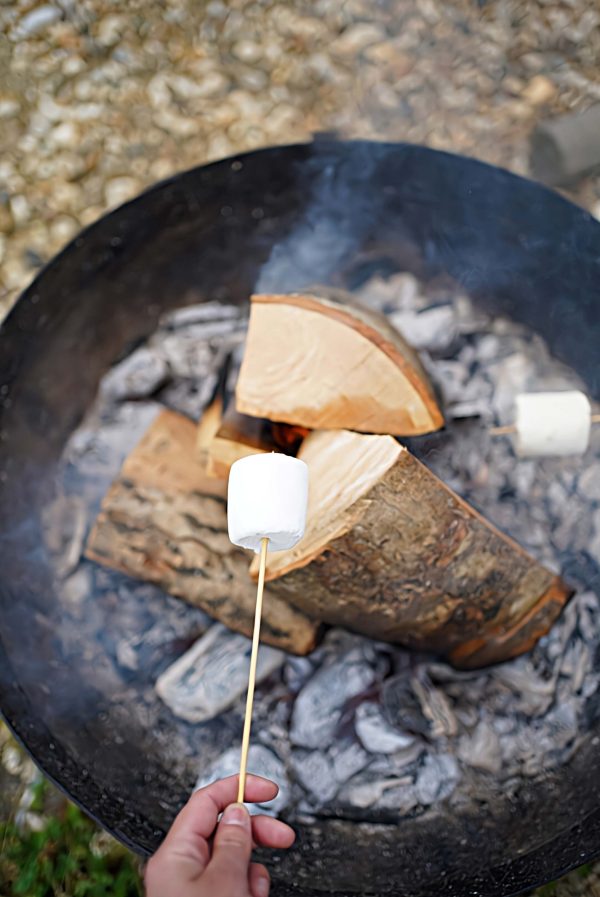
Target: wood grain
[320,364]
[164,521]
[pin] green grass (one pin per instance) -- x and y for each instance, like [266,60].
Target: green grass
[69,857]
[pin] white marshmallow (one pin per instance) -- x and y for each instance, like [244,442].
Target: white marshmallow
[552,423]
[267,497]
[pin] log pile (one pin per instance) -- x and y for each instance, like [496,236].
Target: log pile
[164,521]
[390,550]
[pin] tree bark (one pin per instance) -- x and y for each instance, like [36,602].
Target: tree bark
[391,552]
[164,521]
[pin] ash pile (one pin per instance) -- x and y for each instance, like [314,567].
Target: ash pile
[357,728]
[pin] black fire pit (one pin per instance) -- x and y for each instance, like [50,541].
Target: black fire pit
[336,213]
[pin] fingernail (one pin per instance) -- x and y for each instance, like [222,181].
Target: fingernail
[236,814]
[262,887]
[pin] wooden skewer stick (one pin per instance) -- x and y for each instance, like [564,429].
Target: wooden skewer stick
[503,431]
[264,545]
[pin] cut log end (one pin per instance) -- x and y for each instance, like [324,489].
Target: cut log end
[324,365]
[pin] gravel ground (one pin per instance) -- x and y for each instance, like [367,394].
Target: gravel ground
[96,102]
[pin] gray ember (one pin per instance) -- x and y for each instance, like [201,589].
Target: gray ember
[357,729]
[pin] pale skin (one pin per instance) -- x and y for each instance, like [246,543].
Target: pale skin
[204,857]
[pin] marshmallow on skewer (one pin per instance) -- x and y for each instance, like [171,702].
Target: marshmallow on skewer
[267,498]
[552,423]
[266,509]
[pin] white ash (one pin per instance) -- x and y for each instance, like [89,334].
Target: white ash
[98,448]
[436,779]
[588,484]
[186,350]
[297,672]
[200,314]
[348,758]
[138,376]
[64,522]
[481,749]
[153,648]
[385,765]
[77,588]
[401,293]
[322,772]
[195,342]
[213,674]
[434,329]
[362,794]
[313,770]
[376,734]
[358,728]
[436,707]
[319,706]
[412,709]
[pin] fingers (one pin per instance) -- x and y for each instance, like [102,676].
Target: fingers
[227,871]
[185,851]
[269,832]
[259,880]
[258,790]
[200,814]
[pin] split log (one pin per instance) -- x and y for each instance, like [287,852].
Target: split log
[225,435]
[164,521]
[391,552]
[323,364]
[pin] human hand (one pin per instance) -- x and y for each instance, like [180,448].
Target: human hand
[190,862]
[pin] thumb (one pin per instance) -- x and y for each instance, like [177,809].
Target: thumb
[227,871]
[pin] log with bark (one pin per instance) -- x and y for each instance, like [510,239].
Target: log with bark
[393,553]
[321,364]
[225,435]
[164,521]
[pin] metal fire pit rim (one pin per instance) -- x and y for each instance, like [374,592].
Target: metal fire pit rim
[33,756]
[320,140]
[493,875]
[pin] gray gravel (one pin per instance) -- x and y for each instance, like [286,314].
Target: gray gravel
[98,101]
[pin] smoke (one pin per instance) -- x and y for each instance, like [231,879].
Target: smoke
[339,213]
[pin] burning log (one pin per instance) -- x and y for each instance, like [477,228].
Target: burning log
[391,552]
[225,435]
[267,499]
[321,364]
[164,521]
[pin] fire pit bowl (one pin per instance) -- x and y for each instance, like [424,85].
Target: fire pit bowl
[334,212]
